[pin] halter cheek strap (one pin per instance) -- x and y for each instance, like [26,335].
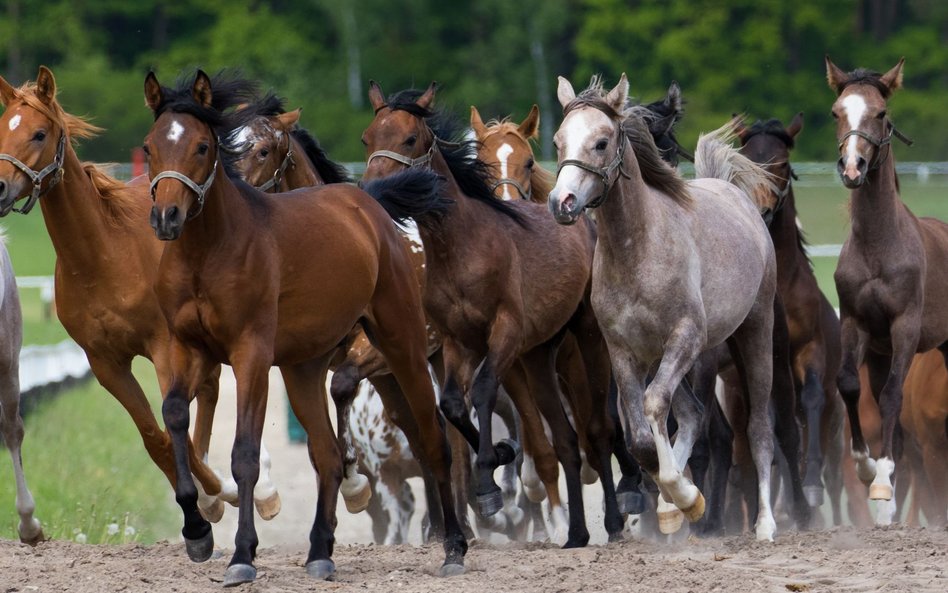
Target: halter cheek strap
[274,182]
[37,177]
[604,173]
[200,190]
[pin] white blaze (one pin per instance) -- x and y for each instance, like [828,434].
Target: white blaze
[855,107]
[503,153]
[175,131]
[15,122]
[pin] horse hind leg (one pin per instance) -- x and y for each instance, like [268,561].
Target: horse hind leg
[11,425]
[832,438]
[813,399]
[346,382]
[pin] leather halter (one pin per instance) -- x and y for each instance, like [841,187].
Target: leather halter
[409,162]
[604,173]
[524,194]
[274,182]
[37,177]
[877,142]
[200,190]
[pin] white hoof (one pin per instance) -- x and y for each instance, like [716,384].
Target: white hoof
[560,525]
[670,517]
[885,512]
[881,487]
[356,493]
[766,527]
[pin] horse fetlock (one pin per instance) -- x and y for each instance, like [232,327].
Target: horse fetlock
[506,451]
[881,486]
[865,465]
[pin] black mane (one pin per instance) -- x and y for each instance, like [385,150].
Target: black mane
[329,170]
[472,175]
[771,127]
[661,118]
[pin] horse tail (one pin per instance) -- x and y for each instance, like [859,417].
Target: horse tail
[716,157]
[412,193]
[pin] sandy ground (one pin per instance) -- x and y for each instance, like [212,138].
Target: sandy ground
[893,559]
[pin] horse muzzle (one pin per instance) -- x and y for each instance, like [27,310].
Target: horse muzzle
[853,174]
[8,195]
[167,222]
[565,207]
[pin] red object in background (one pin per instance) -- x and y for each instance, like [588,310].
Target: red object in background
[138,162]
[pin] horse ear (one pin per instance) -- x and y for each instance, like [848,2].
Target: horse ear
[289,119]
[835,77]
[564,91]
[737,124]
[427,98]
[201,91]
[674,97]
[7,92]
[45,85]
[893,78]
[530,127]
[796,124]
[152,91]
[477,124]
[376,98]
[618,96]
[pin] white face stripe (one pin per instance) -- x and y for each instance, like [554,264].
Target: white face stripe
[854,107]
[175,131]
[503,152]
[15,122]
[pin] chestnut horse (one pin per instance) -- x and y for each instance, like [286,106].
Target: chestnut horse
[813,324]
[106,262]
[892,271]
[660,236]
[494,298]
[238,283]
[11,424]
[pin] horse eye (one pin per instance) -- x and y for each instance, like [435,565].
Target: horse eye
[364,142]
[602,144]
[411,140]
[881,115]
[39,136]
[530,164]
[145,150]
[834,114]
[202,148]
[264,153]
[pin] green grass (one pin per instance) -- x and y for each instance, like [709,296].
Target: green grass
[87,468]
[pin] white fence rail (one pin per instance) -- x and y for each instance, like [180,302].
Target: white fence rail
[49,365]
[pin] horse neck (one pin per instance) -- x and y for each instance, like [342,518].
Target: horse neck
[79,228]
[625,214]
[452,232]
[875,207]
[786,235]
[216,226]
[302,173]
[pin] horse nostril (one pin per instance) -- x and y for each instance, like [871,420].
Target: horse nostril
[171,213]
[861,165]
[840,166]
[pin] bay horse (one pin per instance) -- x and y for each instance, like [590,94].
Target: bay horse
[29,528]
[892,271]
[495,299]
[812,321]
[238,283]
[106,262]
[658,236]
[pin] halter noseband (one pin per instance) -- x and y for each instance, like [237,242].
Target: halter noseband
[274,182]
[37,177]
[409,162]
[200,190]
[524,194]
[877,142]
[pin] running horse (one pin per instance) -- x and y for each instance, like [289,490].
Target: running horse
[496,299]
[813,324]
[29,529]
[660,235]
[106,262]
[892,271]
[238,284]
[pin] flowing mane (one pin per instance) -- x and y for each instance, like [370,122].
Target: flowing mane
[329,170]
[541,180]
[634,124]
[472,175]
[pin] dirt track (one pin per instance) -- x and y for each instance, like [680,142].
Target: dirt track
[894,559]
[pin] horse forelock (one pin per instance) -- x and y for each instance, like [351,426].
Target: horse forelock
[866,77]
[74,126]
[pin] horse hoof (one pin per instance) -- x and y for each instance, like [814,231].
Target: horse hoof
[450,569]
[238,574]
[696,510]
[616,537]
[670,521]
[357,497]
[268,507]
[814,495]
[631,503]
[36,537]
[213,512]
[489,504]
[200,550]
[507,451]
[321,569]
[880,492]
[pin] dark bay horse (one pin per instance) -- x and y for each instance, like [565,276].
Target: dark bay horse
[812,322]
[106,262]
[495,297]
[607,159]
[240,283]
[892,273]
[29,527]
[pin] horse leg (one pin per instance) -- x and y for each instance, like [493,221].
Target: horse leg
[853,344]
[832,441]
[629,494]
[752,349]
[305,387]
[720,443]
[11,426]
[343,388]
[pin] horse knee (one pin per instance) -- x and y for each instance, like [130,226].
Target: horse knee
[174,410]
[848,385]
